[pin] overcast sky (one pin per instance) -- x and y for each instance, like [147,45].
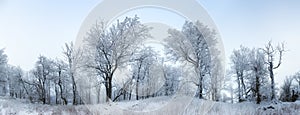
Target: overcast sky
[32,28]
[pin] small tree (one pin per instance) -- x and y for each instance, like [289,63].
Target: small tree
[287,94]
[297,78]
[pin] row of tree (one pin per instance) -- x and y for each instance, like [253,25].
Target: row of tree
[49,78]
[114,57]
[54,82]
[254,71]
[113,48]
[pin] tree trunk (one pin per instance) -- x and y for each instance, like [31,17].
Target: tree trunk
[138,80]
[98,94]
[239,87]
[74,89]
[137,89]
[201,87]
[61,93]
[56,95]
[108,87]
[130,94]
[272,81]
[7,90]
[244,86]
[257,87]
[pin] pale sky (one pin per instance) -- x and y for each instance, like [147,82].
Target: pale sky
[32,28]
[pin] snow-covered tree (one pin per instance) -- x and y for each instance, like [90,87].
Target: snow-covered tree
[15,75]
[142,61]
[271,52]
[287,93]
[297,79]
[73,57]
[43,75]
[240,67]
[171,76]
[190,45]
[248,66]
[62,82]
[257,66]
[113,46]
[4,84]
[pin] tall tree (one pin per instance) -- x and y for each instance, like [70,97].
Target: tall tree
[271,53]
[42,73]
[257,66]
[240,67]
[113,46]
[3,74]
[61,81]
[15,75]
[73,57]
[190,45]
[142,62]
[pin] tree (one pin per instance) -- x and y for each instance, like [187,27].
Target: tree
[287,94]
[4,89]
[73,57]
[15,75]
[271,52]
[258,68]
[61,81]
[190,45]
[114,46]
[249,67]
[42,73]
[240,66]
[171,75]
[297,78]
[142,62]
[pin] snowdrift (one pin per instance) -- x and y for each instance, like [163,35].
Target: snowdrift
[152,106]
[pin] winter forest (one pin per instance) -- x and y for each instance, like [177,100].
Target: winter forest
[115,66]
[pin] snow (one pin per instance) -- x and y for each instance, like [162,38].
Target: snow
[152,106]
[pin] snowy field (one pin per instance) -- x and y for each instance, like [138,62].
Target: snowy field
[153,106]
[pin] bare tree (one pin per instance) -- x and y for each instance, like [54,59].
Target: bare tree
[73,57]
[42,74]
[61,81]
[271,53]
[113,47]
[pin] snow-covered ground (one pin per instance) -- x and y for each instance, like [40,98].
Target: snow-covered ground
[152,106]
